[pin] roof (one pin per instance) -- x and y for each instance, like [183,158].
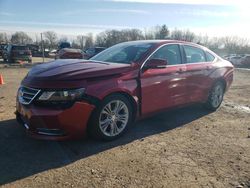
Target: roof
[162,42]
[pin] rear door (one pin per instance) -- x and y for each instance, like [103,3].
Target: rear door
[164,87]
[198,68]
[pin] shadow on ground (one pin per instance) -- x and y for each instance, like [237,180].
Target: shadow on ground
[21,156]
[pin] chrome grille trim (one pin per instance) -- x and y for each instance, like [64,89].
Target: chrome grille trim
[26,95]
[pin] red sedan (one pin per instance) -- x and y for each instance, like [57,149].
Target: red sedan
[69,53]
[131,80]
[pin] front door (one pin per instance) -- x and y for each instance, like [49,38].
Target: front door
[163,87]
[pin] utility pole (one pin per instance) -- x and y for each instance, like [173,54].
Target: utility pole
[82,43]
[42,45]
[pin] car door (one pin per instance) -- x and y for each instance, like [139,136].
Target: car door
[198,67]
[163,87]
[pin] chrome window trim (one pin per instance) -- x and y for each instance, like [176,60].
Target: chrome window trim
[157,50]
[215,59]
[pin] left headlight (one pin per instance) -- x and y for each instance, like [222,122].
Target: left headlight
[63,95]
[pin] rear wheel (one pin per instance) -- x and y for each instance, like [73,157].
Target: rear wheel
[215,97]
[111,119]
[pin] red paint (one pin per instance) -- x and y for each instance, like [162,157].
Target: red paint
[153,90]
[72,121]
[69,53]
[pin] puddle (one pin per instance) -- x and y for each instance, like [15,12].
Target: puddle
[241,108]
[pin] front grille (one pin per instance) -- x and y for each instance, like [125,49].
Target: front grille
[26,95]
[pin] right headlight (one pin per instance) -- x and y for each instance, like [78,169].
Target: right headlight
[63,95]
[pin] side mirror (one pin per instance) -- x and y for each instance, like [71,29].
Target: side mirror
[156,64]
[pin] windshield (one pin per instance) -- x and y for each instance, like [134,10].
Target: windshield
[123,53]
[20,48]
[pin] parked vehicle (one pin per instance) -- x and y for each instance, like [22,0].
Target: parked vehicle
[246,61]
[2,49]
[62,45]
[53,53]
[90,52]
[69,53]
[235,60]
[104,95]
[14,52]
[34,49]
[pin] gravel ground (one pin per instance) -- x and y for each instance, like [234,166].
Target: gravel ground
[188,147]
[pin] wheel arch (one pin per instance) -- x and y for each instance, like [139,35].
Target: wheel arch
[221,80]
[130,99]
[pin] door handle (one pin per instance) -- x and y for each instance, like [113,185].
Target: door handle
[181,70]
[208,67]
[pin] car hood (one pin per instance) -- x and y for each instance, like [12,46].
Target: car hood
[72,70]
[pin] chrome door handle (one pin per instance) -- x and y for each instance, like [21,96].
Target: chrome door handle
[181,70]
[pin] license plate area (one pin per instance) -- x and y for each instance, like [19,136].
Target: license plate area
[22,116]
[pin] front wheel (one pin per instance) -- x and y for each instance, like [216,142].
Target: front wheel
[215,97]
[111,119]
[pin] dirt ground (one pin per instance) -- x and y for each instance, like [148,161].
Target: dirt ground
[188,147]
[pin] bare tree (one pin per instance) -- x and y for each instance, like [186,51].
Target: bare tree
[148,34]
[75,44]
[184,35]
[89,41]
[80,40]
[21,38]
[51,36]
[112,37]
[63,39]
[4,38]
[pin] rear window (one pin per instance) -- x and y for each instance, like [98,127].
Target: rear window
[194,54]
[209,57]
[20,48]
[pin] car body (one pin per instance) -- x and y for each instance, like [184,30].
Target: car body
[34,49]
[245,61]
[235,60]
[132,80]
[2,46]
[62,45]
[13,53]
[90,52]
[69,53]
[52,53]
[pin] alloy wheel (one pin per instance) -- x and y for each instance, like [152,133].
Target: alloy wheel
[217,95]
[113,118]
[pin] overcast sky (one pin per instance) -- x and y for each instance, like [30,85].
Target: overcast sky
[215,18]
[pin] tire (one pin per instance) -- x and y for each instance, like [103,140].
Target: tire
[108,124]
[215,97]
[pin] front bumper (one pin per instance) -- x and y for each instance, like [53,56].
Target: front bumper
[54,124]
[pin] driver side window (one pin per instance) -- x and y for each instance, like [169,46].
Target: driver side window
[169,53]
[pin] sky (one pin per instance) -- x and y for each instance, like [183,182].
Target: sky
[74,17]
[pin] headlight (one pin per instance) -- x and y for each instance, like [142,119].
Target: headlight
[64,95]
